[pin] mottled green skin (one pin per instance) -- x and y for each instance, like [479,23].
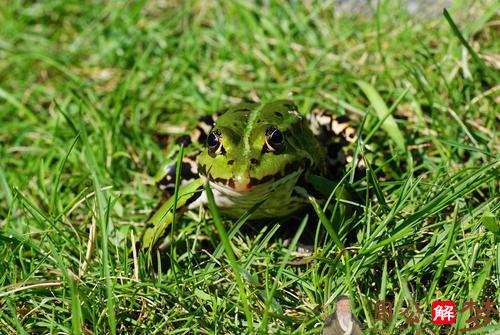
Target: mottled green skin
[243,133]
[246,165]
[244,170]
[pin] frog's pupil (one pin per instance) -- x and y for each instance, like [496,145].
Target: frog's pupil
[276,137]
[212,140]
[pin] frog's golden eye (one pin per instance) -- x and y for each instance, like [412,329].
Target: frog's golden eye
[214,142]
[274,140]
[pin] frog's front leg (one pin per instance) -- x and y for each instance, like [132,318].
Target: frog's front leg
[156,226]
[190,184]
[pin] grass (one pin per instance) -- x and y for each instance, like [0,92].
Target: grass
[90,95]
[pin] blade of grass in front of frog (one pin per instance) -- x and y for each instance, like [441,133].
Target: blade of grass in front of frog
[76,309]
[326,222]
[163,216]
[326,186]
[173,254]
[389,124]
[323,185]
[236,227]
[474,55]
[270,295]
[230,255]
[171,158]
[341,209]
[406,190]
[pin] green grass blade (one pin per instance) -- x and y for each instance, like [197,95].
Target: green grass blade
[464,42]
[444,257]
[292,247]
[102,216]
[326,223]
[76,311]
[55,190]
[230,255]
[163,217]
[383,113]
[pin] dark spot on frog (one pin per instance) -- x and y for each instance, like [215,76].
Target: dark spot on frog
[230,162]
[255,181]
[342,119]
[230,183]
[292,167]
[278,114]
[259,120]
[185,140]
[202,169]
[208,119]
[220,181]
[254,161]
[290,106]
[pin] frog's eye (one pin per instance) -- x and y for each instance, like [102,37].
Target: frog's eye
[274,140]
[214,142]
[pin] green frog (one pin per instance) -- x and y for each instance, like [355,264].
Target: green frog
[253,153]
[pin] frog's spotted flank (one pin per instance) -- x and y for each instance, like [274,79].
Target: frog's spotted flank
[321,122]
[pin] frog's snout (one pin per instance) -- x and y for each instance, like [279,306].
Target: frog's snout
[240,183]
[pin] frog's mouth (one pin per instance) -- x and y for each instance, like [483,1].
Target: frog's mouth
[244,183]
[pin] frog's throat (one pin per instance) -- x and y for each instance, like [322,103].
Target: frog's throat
[277,196]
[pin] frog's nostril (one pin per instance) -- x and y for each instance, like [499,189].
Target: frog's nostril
[254,161]
[230,162]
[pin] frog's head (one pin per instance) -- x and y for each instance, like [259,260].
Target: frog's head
[257,144]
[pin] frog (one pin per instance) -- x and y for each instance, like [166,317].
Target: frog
[251,154]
